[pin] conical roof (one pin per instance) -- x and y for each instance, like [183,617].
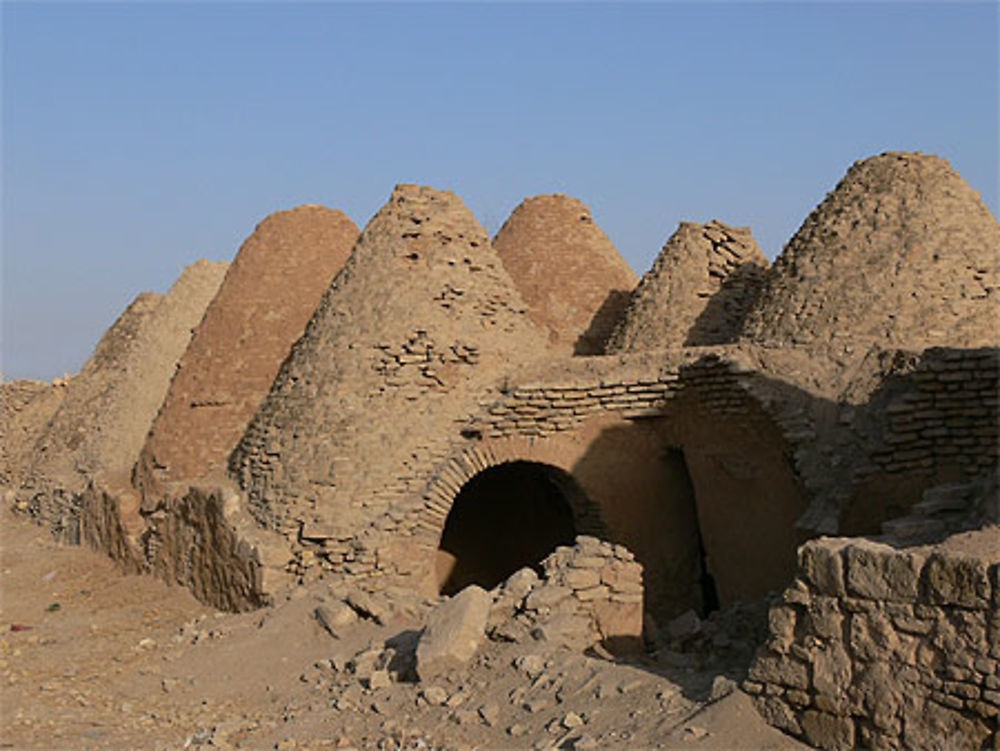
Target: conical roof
[569,273]
[698,291]
[902,252]
[419,323]
[102,422]
[271,290]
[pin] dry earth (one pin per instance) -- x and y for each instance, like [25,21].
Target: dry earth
[93,659]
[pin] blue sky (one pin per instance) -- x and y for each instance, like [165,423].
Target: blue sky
[139,137]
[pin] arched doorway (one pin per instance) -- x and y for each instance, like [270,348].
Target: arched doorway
[504,518]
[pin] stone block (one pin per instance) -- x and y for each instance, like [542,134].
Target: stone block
[454,631]
[828,731]
[950,580]
[831,669]
[821,562]
[878,572]
[824,618]
[781,624]
[583,578]
[781,671]
[547,596]
[778,714]
[599,592]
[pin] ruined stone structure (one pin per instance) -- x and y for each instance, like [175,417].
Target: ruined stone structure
[102,421]
[421,436]
[698,292]
[568,272]
[882,647]
[588,593]
[270,291]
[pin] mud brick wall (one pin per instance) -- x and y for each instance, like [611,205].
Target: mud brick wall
[948,417]
[880,648]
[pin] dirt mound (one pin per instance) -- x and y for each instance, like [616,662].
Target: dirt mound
[902,252]
[567,270]
[271,289]
[102,422]
[419,323]
[697,293]
[90,658]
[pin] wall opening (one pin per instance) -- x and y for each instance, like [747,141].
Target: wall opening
[505,518]
[706,582]
[680,492]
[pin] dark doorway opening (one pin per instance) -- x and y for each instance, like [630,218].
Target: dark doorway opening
[505,518]
[706,582]
[682,490]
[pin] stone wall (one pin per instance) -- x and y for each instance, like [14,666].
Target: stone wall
[589,593]
[884,648]
[200,539]
[935,423]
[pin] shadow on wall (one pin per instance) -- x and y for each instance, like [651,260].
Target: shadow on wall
[594,340]
[707,504]
[709,493]
[721,321]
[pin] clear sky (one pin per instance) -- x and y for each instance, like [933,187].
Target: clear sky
[140,137]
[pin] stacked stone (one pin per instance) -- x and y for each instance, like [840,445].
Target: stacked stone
[881,648]
[698,292]
[949,416]
[552,408]
[591,592]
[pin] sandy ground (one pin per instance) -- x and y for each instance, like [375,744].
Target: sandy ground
[93,659]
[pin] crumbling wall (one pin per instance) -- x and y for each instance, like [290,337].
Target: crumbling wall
[698,292]
[269,293]
[935,422]
[589,593]
[884,648]
[200,539]
[570,275]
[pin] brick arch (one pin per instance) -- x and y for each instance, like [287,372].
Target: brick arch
[451,476]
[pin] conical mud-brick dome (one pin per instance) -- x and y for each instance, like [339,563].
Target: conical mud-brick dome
[419,322]
[697,293]
[271,290]
[569,273]
[102,423]
[902,252]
